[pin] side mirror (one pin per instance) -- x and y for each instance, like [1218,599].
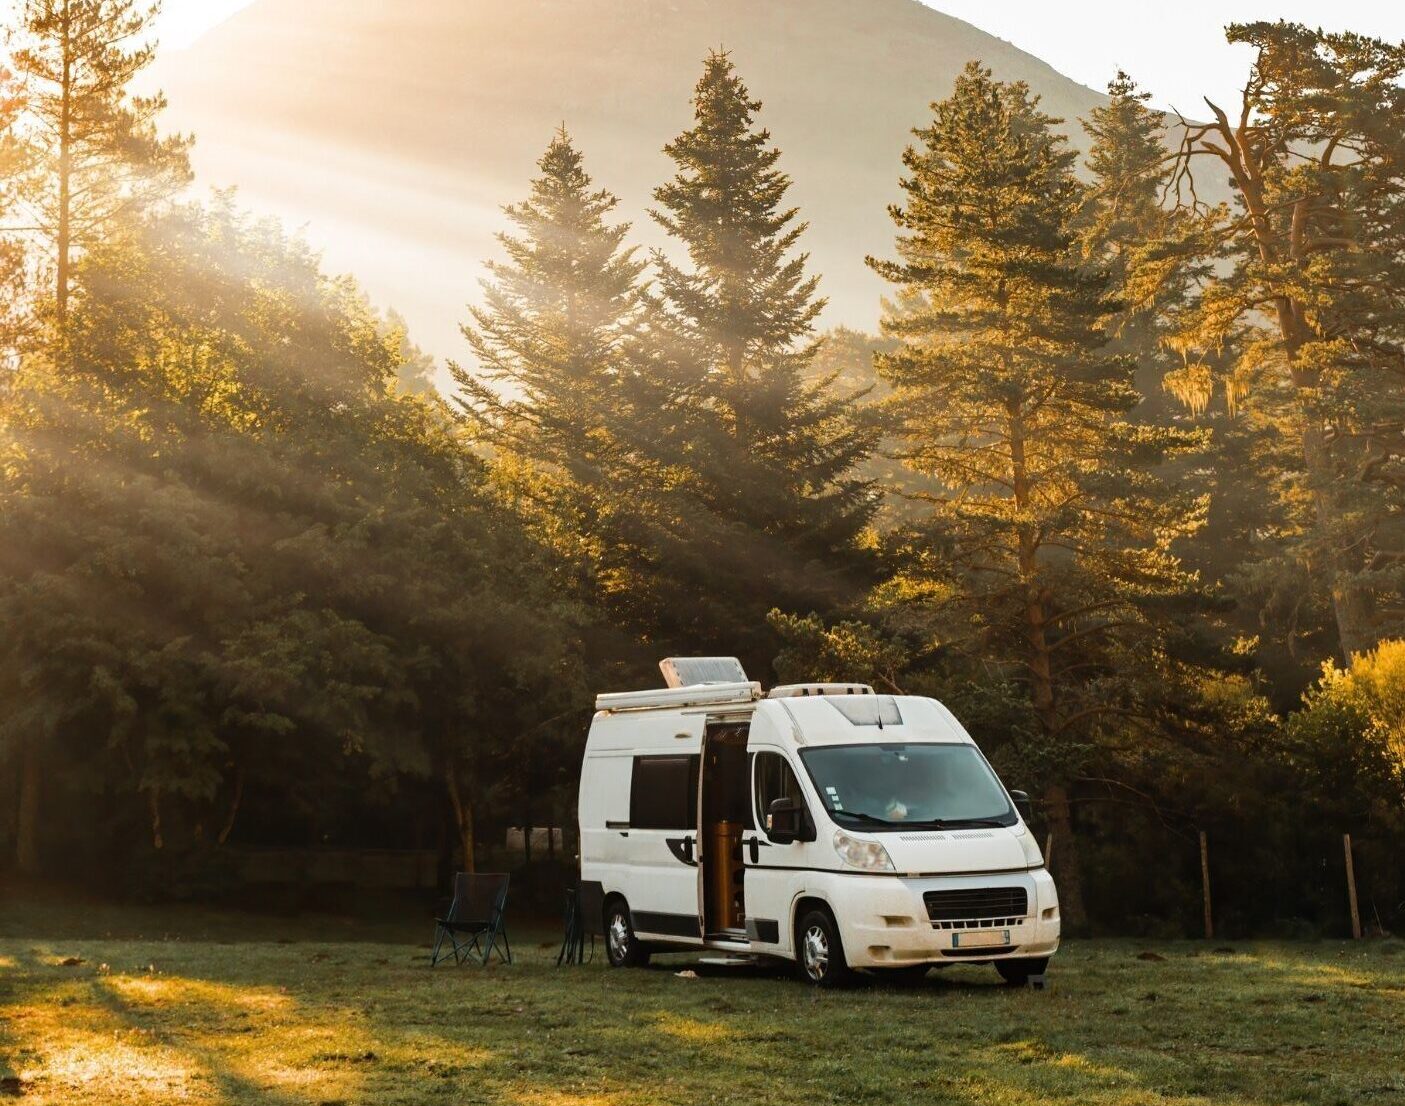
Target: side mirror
[1023,805]
[785,818]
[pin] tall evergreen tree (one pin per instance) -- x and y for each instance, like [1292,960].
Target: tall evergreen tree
[12,253]
[556,315]
[1058,529]
[96,151]
[1159,254]
[1126,226]
[1308,308]
[546,395]
[772,494]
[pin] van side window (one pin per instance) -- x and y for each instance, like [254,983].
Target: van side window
[663,793]
[774,780]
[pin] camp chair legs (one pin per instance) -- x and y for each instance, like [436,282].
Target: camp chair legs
[480,946]
[496,939]
[455,950]
[475,924]
[573,943]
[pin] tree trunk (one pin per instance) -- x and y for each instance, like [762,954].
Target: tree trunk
[1041,677]
[1067,871]
[1041,669]
[27,828]
[153,801]
[233,805]
[1353,607]
[463,817]
[64,244]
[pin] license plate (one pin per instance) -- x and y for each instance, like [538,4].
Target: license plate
[980,938]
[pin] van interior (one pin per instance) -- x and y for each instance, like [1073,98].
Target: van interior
[724,813]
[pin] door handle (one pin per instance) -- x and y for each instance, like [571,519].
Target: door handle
[755,844]
[682,849]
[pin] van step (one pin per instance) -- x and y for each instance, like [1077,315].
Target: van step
[730,936]
[729,961]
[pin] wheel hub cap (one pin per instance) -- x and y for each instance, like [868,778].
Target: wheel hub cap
[815,950]
[619,936]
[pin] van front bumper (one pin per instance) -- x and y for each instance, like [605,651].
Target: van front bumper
[886,922]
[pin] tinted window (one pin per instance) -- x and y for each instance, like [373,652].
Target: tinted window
[664,793]
[774,780]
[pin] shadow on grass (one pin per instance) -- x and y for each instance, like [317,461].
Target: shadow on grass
[364,1023]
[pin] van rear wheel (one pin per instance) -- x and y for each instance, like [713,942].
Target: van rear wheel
[1017,972]
[622,946]
[820,952]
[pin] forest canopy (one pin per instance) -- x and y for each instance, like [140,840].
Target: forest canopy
[1122,480]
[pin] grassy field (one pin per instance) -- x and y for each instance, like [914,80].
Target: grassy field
[176,1006]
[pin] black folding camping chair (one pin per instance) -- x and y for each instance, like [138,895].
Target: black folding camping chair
[475,924]
[581,904]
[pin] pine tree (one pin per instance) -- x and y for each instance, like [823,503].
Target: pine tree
[772,494]
[545,395]
[1128,163]
[97,154]
[1304,326]
[1127,227]
[1058,529]
[1159,254]
[12,252]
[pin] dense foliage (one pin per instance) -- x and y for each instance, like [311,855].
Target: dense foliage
[1120,482]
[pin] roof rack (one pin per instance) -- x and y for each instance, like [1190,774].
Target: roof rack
[695,695]
[797,691]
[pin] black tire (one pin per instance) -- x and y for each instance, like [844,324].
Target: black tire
[1017,972]
[622,946]
[819,953]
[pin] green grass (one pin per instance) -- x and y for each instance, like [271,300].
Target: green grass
[182,1006]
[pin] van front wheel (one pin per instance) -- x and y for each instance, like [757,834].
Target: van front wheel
[621,944]
[819,951]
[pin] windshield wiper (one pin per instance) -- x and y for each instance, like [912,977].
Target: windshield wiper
[925,823]
[864,816]
[960,823]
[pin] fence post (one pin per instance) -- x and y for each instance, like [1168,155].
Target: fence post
[1205,884]
[1351,888]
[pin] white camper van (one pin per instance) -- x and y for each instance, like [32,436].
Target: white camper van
[820,823]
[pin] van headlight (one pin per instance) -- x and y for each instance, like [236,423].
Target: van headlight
[1032,856]
[869,856]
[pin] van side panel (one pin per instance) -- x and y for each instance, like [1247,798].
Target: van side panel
[654,869]
[604,804]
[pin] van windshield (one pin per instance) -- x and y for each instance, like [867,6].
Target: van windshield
[875,786]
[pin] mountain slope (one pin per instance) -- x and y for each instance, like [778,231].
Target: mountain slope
[395,129]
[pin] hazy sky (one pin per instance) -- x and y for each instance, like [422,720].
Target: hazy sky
[1177,51]
[182,21]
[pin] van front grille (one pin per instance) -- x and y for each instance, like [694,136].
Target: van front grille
[956,908]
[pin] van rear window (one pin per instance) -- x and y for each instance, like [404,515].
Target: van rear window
[663,793]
